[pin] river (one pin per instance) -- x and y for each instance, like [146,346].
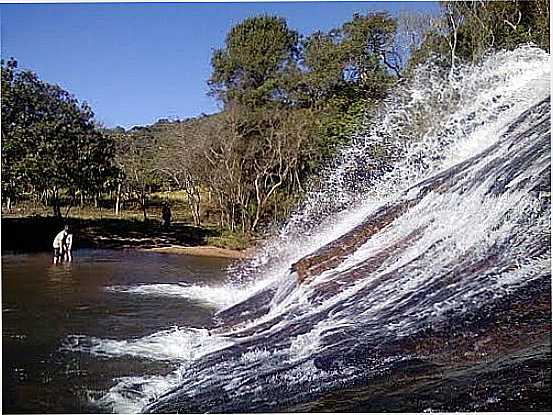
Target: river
[46,308]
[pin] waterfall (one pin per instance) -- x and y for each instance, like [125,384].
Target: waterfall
[438,211]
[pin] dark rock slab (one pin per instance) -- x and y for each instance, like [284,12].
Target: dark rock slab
[335,252]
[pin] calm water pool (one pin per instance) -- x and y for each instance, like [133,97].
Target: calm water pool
[44,304]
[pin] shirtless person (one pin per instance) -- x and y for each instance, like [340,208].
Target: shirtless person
[59,243]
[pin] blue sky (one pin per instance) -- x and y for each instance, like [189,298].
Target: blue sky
[137,62]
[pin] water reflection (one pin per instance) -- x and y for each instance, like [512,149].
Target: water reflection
[55,270]
[43,304]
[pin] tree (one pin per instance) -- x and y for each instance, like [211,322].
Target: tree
[12,150]
[182,159]
[137,159]
[420,38]
[500,25]
[49,142]
[256,54]
[466,30]
[324,63]
[369,48]
[351,63]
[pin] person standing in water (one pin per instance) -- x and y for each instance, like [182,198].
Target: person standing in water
[67,247]
[59,244]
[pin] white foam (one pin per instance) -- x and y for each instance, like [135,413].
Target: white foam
[467,114]
[131,394]
[176,344]
[215,296]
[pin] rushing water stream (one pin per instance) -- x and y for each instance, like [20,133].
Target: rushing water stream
[434,262]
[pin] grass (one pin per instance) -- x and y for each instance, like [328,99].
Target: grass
[26,209]
[230,240]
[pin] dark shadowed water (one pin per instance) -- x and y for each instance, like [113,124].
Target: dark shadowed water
[43,304]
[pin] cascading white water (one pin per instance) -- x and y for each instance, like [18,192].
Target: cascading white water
[460,116]
[468,131]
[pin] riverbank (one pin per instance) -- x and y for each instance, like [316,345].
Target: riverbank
[35,233]
[209,251]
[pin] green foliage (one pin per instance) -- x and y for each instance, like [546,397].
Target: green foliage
[49,141]
[466,30]
[489,25]
[324,61]
[350,63]
[433,48]
[368,46]
[137,158]
[289,105]
[229,240]
[336,125]
[256,53]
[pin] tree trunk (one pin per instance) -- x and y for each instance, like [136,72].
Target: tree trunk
[232,218]
[143,203]
[452,45]
[71,203]
[196,209]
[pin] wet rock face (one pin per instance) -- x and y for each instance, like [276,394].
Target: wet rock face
[250,309]
[334,253]
[498,359]
[453,179]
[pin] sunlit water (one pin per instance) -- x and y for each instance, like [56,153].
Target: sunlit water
[47,308]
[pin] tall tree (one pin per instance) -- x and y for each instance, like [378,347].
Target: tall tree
[256,159]
[324,63]
[256,54]
[137,157]
[182,159]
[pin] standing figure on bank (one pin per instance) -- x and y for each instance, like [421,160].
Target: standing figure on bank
[59,244]
[166,215]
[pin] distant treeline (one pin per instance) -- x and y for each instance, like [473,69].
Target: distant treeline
[289,103]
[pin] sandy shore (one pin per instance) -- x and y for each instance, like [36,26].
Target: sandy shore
[210,251]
